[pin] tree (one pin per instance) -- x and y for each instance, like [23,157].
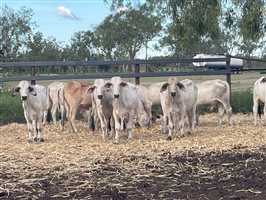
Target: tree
[81,47]
[14,29]
[193,27]
[127,31]
[39,48]
[252,24]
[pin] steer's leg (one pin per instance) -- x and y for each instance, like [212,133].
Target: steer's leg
[34,126]
[29,126]
[44,117]
[130,124]
[264,113]
[112,124]
[104,126]
[53,112]
[191,120]
[72,118]
[182,121]
[170,126]
[62,114]
[229,114]
[220,113]
[255,110]
[39,130]
[117,128]
[228,110]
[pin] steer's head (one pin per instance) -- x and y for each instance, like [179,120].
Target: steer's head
[97,87]
[173,86]
[24,88]
[115,85]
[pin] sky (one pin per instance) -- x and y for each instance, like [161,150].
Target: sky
[62,18]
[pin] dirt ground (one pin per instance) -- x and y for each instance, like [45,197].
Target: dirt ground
[217,162]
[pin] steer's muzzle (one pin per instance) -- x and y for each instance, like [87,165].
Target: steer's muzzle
[100,96]
[116,96]
[24,98]
[173,94]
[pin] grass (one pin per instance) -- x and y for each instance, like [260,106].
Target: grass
[239,82]
[10,109]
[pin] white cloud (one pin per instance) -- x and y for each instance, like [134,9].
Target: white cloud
[67,13]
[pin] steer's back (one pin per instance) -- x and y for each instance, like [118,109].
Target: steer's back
[41,96]
[211,91]
[190,93]
[151,92]
[259,91]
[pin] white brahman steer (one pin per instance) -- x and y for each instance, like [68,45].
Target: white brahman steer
[103,104]
[214,92]
[259,94]
[149,94]
[179,99]
[35,108]
[127,105]
[75,96]
[53,101]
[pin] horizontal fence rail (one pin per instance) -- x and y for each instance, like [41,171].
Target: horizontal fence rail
[109,75]
[98,63]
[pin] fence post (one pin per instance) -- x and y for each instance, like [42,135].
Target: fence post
[33,73]
[137,79]
[228,75]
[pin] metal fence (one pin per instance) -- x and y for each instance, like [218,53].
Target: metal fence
[136,74]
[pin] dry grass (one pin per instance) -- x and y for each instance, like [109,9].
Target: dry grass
[68,154]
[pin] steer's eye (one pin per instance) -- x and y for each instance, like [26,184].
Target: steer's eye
[30,89]
[108,85]
[17,89]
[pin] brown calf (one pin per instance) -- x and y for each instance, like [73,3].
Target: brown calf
[75,96]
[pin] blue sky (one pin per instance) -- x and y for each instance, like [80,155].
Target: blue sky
[62,18]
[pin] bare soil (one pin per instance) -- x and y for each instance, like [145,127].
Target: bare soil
[217,162]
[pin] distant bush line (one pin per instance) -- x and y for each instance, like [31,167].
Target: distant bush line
[11,108]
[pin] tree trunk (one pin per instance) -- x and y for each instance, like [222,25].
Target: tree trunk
[132,57]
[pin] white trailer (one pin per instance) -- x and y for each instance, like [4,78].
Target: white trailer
[235,63]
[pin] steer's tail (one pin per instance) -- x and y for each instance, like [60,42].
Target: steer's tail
[48,99]
[259,110]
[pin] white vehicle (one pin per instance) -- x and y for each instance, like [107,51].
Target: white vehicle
[235,63]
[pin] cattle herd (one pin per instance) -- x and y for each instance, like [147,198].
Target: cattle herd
[117,106]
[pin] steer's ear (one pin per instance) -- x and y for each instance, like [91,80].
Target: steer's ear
[123,84]
[181,86]
[263,80]
[164,87]
[15,91]
[91,89]
[32,91]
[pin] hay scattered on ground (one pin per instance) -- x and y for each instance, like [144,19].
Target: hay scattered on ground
[69,165]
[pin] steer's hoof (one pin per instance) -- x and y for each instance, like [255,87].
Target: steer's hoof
[169,137]
[41,140]
[116,141]
[35,139]
[29,140]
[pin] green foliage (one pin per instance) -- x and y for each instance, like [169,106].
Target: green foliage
[242,101]
[15,27]
[124,33]
[10,109]
[194,24]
